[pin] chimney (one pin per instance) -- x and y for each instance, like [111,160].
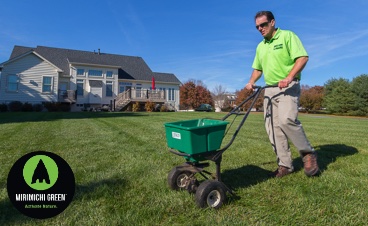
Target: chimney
[99,52]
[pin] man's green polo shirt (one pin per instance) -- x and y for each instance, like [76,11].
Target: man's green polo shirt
[276,57]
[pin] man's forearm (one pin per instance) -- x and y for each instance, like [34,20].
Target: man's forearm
[256,74]
[298,67]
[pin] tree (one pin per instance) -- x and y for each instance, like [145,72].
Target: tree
[311,98]
[359,87]
[245,93]
[219,97]
[194,93]
[339,97]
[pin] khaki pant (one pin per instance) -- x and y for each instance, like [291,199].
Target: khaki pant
[280,114]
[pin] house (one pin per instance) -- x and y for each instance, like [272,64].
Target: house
[225,100]
[83,79]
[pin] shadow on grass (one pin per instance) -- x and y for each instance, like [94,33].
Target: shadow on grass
[10,215]
[14,117]
[94,190]
[250,175]
[244,176]
[327,154]
[91,191]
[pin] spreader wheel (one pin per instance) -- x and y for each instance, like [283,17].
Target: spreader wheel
[179,179]
[210,193]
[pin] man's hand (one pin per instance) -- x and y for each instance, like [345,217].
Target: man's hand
[249,86]
[284,83]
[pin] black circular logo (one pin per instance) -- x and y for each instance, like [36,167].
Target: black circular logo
[41,184]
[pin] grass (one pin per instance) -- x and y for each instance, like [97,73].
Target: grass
[121,161]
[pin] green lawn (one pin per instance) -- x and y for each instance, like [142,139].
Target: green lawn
[121,162]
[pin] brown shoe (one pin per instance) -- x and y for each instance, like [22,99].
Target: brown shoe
[310,164]
[281,171]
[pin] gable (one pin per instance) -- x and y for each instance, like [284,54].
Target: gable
[29,63]
[27,57]
[30,71]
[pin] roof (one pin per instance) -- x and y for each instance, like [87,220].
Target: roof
[165,77]
[129,67]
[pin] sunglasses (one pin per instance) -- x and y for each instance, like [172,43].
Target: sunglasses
[262,25]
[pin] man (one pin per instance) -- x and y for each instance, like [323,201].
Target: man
[281,57]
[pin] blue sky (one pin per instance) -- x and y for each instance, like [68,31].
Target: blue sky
[209,40]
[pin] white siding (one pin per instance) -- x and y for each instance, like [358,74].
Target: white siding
[85,99]
[30,70]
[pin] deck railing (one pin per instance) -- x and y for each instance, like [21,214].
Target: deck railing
[140,95]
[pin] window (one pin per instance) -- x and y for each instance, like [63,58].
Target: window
[12,85]
[96,73]
[80,87]
[80,72]
[109,89]
[123,86]
[108,74]
[171,94]
[47,84]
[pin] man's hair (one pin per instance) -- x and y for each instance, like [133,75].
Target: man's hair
[268,14]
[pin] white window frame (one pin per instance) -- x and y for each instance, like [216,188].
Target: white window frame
[8,82]
[80,81]
[110,83]
[171,93]
[95,73]
[81,75]
[51,84]
[109,72]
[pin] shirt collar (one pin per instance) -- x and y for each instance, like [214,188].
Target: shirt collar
[275,37]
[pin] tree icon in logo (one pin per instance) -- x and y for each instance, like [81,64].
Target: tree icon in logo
[40,172]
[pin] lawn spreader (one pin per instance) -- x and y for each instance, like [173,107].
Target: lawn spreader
[199,141]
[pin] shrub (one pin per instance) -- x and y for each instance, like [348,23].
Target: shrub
[227,109]
[27,107]
[15,106]
[149,106]
[64,107]
[167,108]
[50,106]
[56,106]
[163,108]
[37,107]
[135,107]
[3,107]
